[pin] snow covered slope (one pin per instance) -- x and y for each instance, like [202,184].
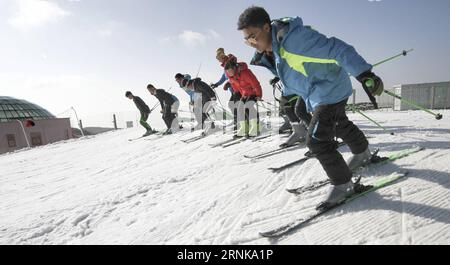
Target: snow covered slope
[108,190]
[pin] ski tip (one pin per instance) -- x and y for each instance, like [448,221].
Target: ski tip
[404,173]
[292,191]
[267,235]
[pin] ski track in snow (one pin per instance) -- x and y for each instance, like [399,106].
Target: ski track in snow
[105,189]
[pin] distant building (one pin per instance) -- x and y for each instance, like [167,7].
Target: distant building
[428,95]
[47,128]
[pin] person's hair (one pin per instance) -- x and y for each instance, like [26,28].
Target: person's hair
[128,93]
[230,65]
[253,16]
[179,76]
[150,86]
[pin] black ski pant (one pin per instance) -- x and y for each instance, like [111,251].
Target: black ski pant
[328,122]
[235,97]
[205,115]
[295,109]
[168,116]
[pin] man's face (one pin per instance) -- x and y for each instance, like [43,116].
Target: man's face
[130,96]
[259,38]
[230,72]
[179,80]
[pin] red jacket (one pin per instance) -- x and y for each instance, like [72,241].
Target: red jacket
[245,82]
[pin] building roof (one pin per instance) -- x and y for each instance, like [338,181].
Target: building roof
[19,109]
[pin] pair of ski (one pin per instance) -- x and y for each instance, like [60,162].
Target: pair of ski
[194,139]
[307,156]
[140,137]
[234,141]
[276,151]
[376,160]
[360,190]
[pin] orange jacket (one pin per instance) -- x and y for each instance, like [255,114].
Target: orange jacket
[245,82]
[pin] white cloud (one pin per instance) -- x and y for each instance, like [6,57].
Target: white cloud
[191,38]
[31,14]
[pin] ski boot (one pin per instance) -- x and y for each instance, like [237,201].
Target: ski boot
[336,195]
[254,128]
[167,132]
[298,135]
[285,127]
[149,132]
[359,160]
[242,131]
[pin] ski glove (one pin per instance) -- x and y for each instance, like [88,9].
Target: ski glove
[227,86]
[213,86]
[274,81]
[371,83]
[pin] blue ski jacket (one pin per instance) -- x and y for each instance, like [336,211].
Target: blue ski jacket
[311,65]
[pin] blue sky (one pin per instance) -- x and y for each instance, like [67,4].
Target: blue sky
[87,53]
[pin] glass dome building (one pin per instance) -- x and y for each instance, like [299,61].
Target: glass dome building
[19,109]
[24,124]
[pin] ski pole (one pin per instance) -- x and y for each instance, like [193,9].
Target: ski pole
[157,104]
[403,53]
[371,97]
[266,108]
[438,116]
[198,72]
[268,103]
[367,117]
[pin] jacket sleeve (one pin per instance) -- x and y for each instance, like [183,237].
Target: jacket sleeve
[319,46]
[256,86]
[222,80]
[190,93]
[205,89]
[141,105]
[161,102]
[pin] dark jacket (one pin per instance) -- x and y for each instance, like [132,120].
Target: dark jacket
[203,88]
[165,98]
[140,104]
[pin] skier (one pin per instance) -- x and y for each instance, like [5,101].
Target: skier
[169,107]
[235,95]
[207,97]
[316,67]
[242,79]
[195,102]
[144,110]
